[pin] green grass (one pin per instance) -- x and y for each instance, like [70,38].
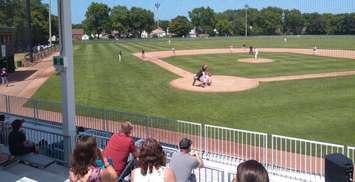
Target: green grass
[320,109]
[284,64]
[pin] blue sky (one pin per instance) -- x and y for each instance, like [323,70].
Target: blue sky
[171,8]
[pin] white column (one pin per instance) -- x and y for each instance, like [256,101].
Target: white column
[67,76]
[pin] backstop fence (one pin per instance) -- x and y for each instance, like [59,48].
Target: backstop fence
[220,144]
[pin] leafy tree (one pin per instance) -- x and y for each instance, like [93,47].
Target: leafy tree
[315,24]
[120,19]
[294,21]
[164,24]
[12,14]
[203,19]
[180,26]
[78,26]
[223,26]
[97,18]
[140,20]
[349,23]
[270,21]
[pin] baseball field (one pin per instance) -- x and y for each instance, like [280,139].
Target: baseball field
[319,109]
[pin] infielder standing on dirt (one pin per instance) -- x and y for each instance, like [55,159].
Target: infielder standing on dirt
[143,53]
[120,56]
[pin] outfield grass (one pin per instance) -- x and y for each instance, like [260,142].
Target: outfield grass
[284,64]
[320,109]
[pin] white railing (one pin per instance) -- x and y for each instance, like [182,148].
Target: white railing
[3,105]
[192,131]
[239,144]
[220,144]
[301,155]
[210,175]
[351,153]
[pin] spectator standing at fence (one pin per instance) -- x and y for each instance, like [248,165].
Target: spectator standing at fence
[18,143]
[83,165]
[4,75]
[152,162]
[251,171]
[182,162]
[120,146]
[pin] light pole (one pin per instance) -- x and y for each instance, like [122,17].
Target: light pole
[246,20]
[29,29]
[283,16]
[157,6]
[50,22]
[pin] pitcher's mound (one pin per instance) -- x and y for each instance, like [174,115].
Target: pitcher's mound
[256,61]
[219,84]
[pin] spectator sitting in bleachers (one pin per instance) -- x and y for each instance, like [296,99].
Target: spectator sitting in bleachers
[120,146]
[251,171]
[152,162]
[84,167]
[182,163]
[18,145]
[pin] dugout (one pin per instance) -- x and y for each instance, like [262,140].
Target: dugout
[7,48]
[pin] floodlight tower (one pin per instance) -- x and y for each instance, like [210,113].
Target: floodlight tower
[246,20]
[157,6]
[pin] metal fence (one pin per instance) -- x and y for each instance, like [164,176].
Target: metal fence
[301,155]
[235,143]
[164,130]
[49,140]
[207,174]
[351,153]
[44,52]
[220,144]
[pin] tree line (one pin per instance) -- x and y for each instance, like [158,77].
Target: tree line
[266,21]
[13,14]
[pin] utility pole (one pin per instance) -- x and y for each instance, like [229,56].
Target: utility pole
[29,29]
[50,22]
[157,6]
[283,16]
[246,21]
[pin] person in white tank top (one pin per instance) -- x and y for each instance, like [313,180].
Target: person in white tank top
[155,176]
[152,161]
